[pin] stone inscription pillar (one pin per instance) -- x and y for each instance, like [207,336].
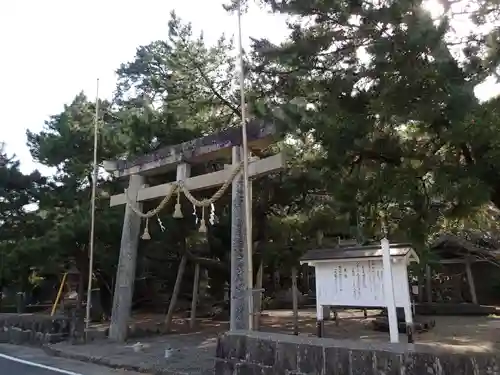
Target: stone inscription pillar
[239,305]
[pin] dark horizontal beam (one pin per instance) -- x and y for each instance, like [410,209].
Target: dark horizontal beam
[259,134]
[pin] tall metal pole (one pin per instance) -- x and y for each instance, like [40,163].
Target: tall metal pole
[92,219]
[248,202]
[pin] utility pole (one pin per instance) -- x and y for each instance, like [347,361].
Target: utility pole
[246,184]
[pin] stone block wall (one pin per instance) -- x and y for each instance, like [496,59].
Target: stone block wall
[33,329]
[262,353]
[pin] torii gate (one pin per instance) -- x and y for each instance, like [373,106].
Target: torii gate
[219,145]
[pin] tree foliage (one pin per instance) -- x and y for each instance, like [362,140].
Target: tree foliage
[376,107]
[389,97]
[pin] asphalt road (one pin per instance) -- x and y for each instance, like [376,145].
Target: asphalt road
[18,360]
[11,367]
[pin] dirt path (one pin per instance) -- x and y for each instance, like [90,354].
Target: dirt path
[479,333]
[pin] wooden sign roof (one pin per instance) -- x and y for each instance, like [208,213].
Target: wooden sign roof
[358,252]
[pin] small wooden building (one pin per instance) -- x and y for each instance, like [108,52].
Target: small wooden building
[463,269]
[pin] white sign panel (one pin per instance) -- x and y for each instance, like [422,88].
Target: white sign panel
[358,283]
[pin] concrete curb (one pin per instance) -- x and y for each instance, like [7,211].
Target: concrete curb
[153,370]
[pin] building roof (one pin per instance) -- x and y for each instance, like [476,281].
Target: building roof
[356,252]
[474,247]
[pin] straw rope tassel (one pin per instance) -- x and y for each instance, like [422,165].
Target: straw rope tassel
[179,188]
[146,235]
[203,225]
[178,210]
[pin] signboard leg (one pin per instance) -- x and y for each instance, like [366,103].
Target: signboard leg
[390,299]
[320,324]
[408,311]
[327,312]
[409,324]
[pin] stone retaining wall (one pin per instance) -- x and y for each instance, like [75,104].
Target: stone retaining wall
[33,329]
[264,353]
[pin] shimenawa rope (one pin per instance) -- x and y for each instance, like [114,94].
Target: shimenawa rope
[178,187]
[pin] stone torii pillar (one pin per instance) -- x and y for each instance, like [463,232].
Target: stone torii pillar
[200,150]
[124,285]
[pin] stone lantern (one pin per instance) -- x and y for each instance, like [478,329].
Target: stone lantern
[73,278]
[71,296]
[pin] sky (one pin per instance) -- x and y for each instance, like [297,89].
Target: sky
[53,49]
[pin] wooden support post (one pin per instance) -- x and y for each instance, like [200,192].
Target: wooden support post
[59,294]
[407,308]
[470,279]
[175,293]
[428,283]
[276,280]
[295,302]
[421,288]
[320,324]
[258,303]
[194,300]
[327,312]
[305,273]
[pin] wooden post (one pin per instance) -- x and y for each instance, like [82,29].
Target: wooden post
[183,172]
[320,324]
[277,280]
[327,312]
[470,279]
[295,302]
[421,288]
[59,294]
[175,293]
[194,299]
[305,273]
[258,304]
[428,283]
